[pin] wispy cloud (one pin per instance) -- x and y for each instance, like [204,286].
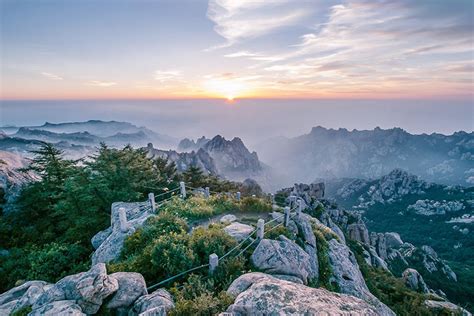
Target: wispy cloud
[98,83]
[166,75]
[52,76]
[236,20]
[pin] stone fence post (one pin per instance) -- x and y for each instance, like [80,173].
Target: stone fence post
[123,220]
[287,216]
[237,196]
[260,228]
[183,189]
[213,263]
[206,192]
[151,199]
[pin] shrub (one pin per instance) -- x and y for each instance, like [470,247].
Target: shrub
[197,297]
[193,208]
[325,269]
[255,204]
[171,254]
[54,261]
[163,224]
[275,233]
[204,242]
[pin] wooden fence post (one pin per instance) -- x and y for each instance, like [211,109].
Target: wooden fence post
[213,263]
[183,189]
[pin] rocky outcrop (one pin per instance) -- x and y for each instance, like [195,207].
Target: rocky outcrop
[439,306]
[109,242]
[66,307]
[11,179]
[283,256]
[21,296]
[238,230]
[157,303]
[229,218]
[232,156]
[358,232]
[431,207]
[265,295]
[414,281]
[377,240]
[250,187]
[349,279]
[185,160]
[131,286]
[86,289]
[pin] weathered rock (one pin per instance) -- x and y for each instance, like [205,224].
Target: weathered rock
[58,308]
[109,242]
[358,232]
[87,289]
[372,258]
[414,281]
[453,308]
[305,229]
[21,296]
[157,303]
[347,275]
[250,187]
[131,285]
[377,240]
[282,257]
[238,231]
[266,295]
[393,240]
[100,237]
[229,218]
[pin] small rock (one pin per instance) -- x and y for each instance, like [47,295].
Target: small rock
[229,218]
[238,231]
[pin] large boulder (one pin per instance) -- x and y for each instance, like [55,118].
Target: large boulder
[21,296]
[238,231]
[131,286]
[377,240]
[266,295]
[347,275]
[304,223]
[283,256]
[358,232]
[393,240]
[414,281]
[157,303]
[87,289]
[59,308]
[109,242]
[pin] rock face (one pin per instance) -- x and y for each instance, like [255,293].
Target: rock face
[157,303]
[437,306]
[232,156]
[131,286]
[283,257]
[431,207]
[238,231]
[21,296]
[184,160]
[12,180]
[66,307]
[265,295]
[414,281]
[358,232]
[86,289]
[347,275]
[109,242]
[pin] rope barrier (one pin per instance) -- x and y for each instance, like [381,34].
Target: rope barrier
[177,276]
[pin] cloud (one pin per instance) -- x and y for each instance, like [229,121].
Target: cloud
[166,75]
[242,54]
[236,20]
[98,83]
[52,76]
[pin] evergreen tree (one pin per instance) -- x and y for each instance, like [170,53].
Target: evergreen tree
[194,177]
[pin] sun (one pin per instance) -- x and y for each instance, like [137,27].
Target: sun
[225,88]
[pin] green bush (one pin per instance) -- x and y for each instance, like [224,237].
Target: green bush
[192,208]
[54,261]
[255,204]
[164,223]
[325,269]
[204,242]
[172,254]
[197,297]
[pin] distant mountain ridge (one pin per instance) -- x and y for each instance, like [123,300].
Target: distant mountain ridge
[90,133]
[329,153]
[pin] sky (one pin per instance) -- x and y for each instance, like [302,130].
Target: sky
[237,49]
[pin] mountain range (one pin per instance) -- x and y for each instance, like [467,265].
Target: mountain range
[328,153]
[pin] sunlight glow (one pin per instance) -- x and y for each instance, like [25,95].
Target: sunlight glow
[226,88]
